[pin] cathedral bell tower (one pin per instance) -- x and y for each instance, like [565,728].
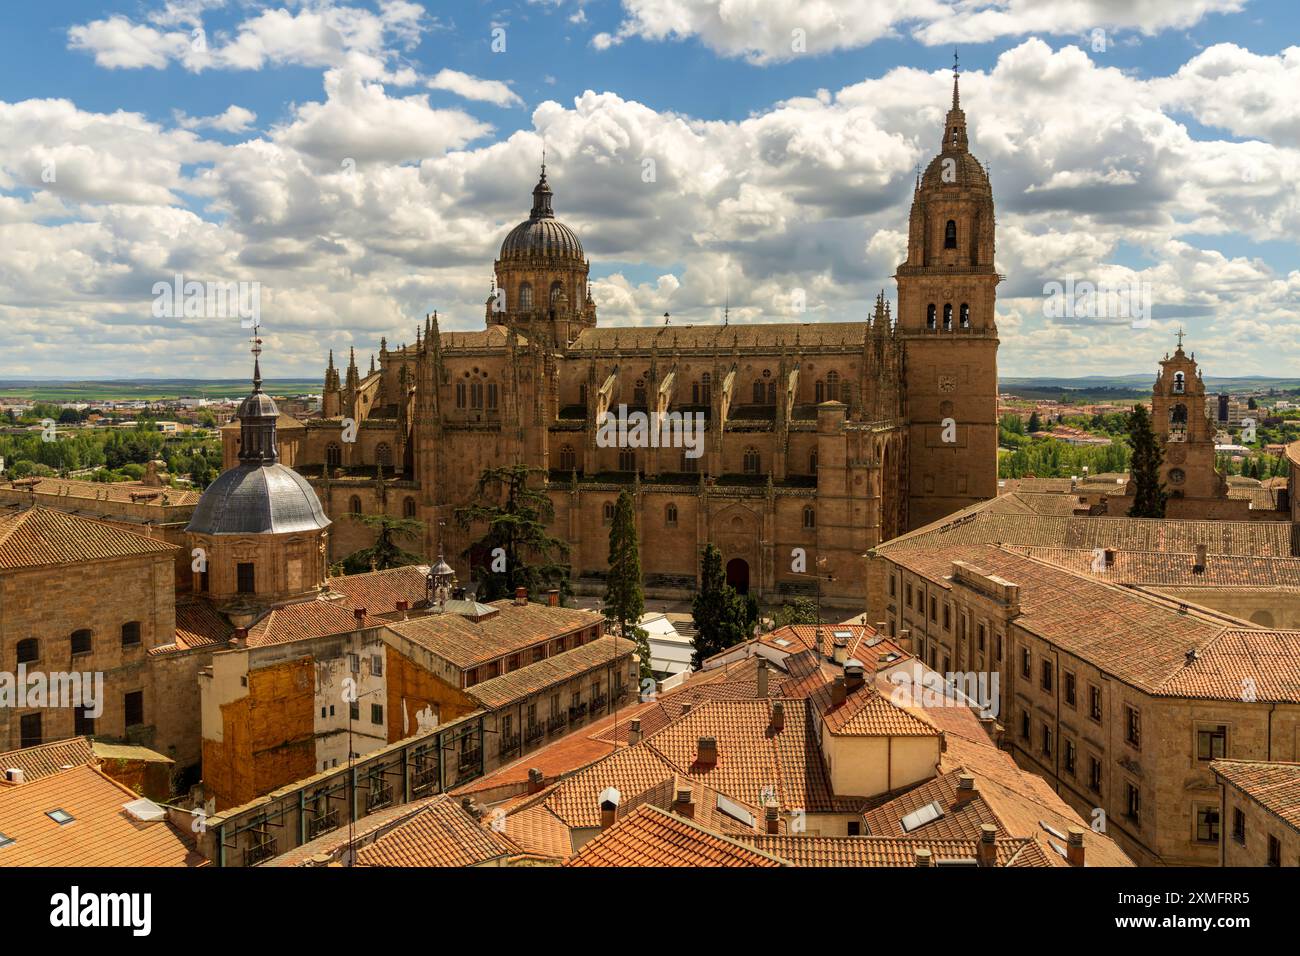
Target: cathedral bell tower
[1181,425]
[946,294]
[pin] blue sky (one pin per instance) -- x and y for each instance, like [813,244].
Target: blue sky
[1169,156]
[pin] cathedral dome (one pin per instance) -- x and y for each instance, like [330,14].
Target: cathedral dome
[258,499]
[965,169]
[541,234]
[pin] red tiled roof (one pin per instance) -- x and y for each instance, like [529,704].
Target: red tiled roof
[466,643]
[199,624]
[379,591]
[40,536]
[100,833]
[1274,785]
[890,851]
[305,620]
[45,759]
[441,834]
[653,837]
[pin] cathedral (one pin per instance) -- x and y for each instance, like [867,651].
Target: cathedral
[820,440]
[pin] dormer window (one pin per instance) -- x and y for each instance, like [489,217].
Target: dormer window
[950,235]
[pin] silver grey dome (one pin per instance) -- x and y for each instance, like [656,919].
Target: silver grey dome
[258,499]
[541,237]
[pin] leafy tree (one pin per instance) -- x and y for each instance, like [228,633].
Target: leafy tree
[798,611]
[720,613]
[516,516]
[624,598]
[1149,496]
[385,553]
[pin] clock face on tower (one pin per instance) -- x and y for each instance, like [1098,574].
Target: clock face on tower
[1176,476]
[947,383]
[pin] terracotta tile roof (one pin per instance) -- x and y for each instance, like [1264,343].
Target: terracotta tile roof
[535,678]
[540,832]
[707,809]
[1162,567]
[960,820]
[466,643]
[379,591]
[100,832]
[38,536]
[653,837]
[199,624]
[1266,662]
[441,834]
[709,337]
[305,620]
[997,521]
[337,839]
[868,713]
[109,491]
[1274,785]
[890,851]
[45,759]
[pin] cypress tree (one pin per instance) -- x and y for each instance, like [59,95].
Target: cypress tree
[624,598]
[1149,496]
[720,613]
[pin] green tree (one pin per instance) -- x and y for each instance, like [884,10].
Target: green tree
[1149,496]
[516,515]
[1035,424]
[624,598]
[719,612]
[798,611]
[385,553]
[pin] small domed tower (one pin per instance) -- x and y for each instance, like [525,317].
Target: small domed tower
[258,531]
[541,275]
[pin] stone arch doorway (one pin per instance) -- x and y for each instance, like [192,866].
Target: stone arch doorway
[738,575]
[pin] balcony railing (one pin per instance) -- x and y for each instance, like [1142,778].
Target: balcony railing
[322,824]
[469,760]
[598,702]
[424,779]
[556,722]
[509,745]
[257,852]
[578,711]
[379,796]
[534,733]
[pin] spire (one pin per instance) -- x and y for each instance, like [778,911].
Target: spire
[257,414]
[954,131]
[956,73]
[542,198]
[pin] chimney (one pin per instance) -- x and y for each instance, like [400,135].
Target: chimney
[840,650]
[853,675]
[402,608]
[1074,846]
[359,614]
[922,856]
[634,731]
[609,799]
[686,708]
[553,597]
[521,596]
[1199,567]
[771,818]
[1110,557]
[880,628]
[240,637]
[988,848]
[683,806]
[706,751]
[762,678]
[15,775]
[536,780]
[965,790]
[469,806]
[778,716]
[837,692]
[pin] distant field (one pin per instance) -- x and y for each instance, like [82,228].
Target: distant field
[145,391]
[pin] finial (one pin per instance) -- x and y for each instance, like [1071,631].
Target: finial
[1180,336]
[257,352]
[956,72]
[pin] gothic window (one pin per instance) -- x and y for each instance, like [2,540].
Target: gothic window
[638,394]
[525,296]
[492,395]
[706,387]
[771,393]
[627,460]
[475,394]
[832,386]
[965,316]
[383,455]
[460,394]
[809,517]
[950,235]
[333,455]
[408,508]
[812,463]
[759,393]
[567,458]
[751,461]
[609,512]
[354,505]
[556,288]
[820,391]
[929,316]
[670,516]
[1178,383]
[947,317]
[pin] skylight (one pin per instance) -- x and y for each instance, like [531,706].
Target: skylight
[847,635]
[60,816]
[734,810]
[919,818]
[6,840]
